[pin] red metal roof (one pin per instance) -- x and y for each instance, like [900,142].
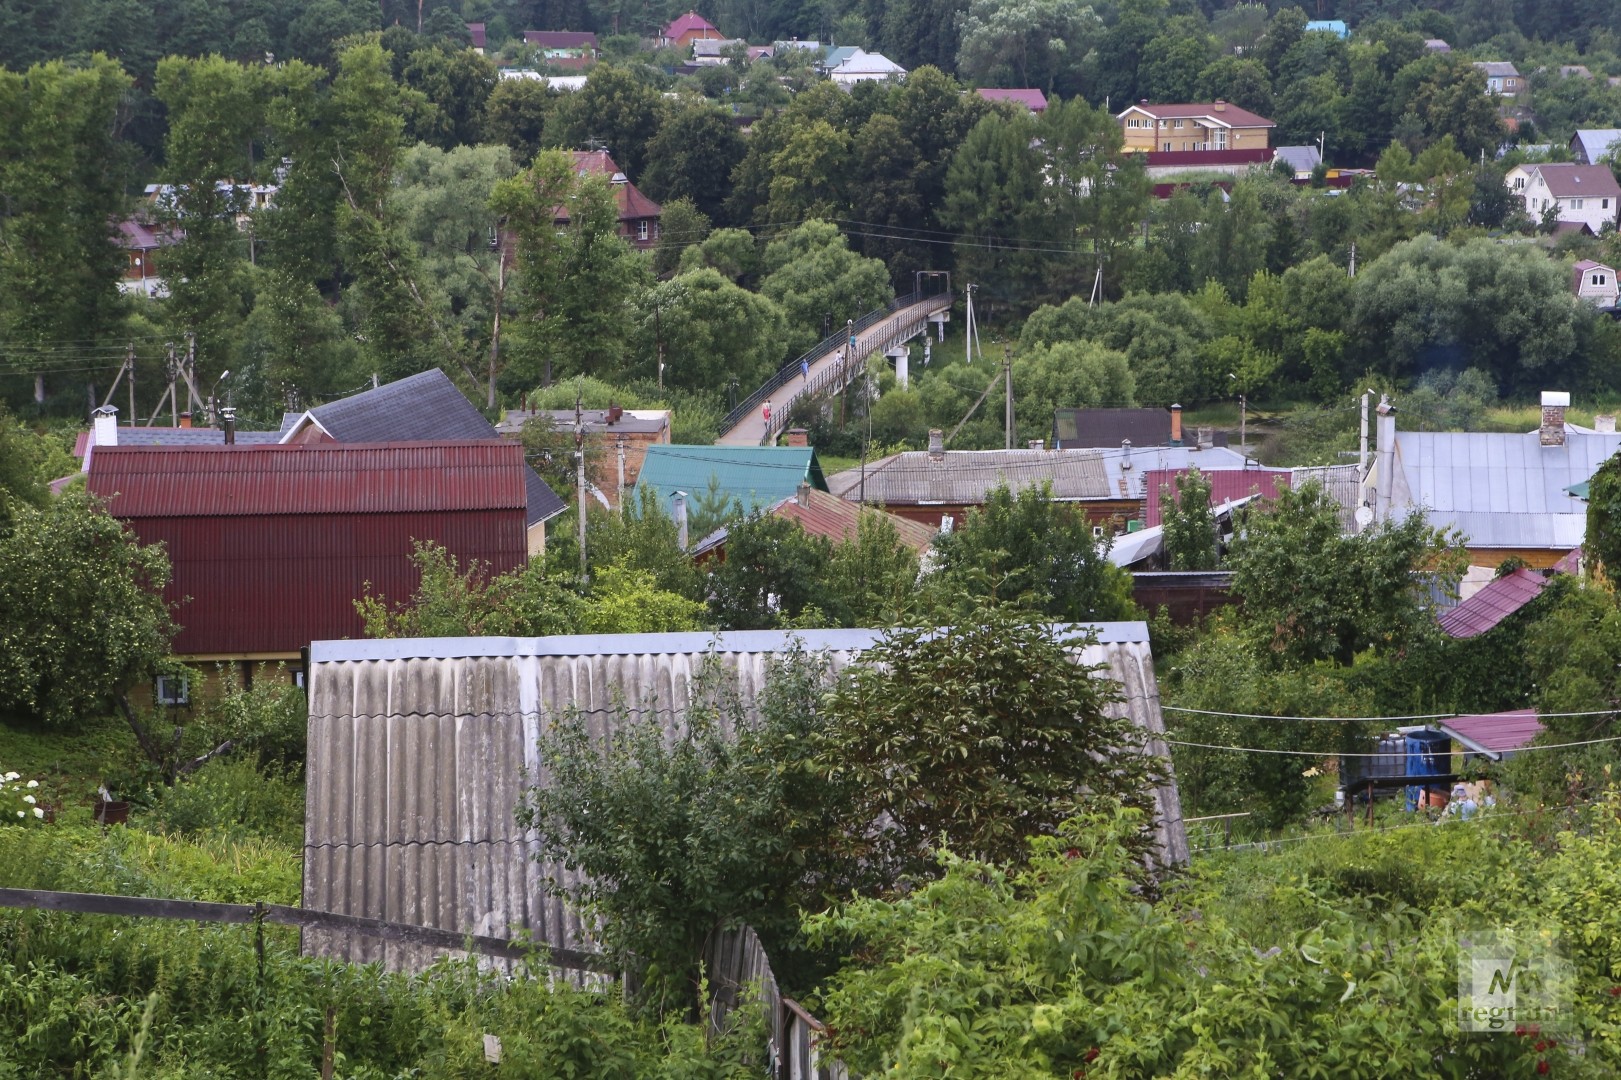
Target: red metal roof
[1034,100]
[272,545]
[319,478]
[1495,733]
[145,236]
[1495,602]
[838,519]
[1226,485]
[689,22]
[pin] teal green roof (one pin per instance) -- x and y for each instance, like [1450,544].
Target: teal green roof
[1581,490]
[754,475]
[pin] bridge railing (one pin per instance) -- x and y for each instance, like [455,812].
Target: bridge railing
[791,370]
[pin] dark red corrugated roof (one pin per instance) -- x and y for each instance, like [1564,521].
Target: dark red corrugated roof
[1034,100]
[1495,733]
[839,519]
[1496,601]
[1226,485]
[322,478]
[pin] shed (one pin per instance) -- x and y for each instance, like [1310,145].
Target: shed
[754,475]
[272,545]
[418,751]
[1494,735]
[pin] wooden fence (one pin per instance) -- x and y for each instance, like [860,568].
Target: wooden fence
[736,962]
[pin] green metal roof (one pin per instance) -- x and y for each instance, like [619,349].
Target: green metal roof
[1581,490]
[754,475]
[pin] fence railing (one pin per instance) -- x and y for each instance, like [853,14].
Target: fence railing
[736,963]
[793,369]
[304,918]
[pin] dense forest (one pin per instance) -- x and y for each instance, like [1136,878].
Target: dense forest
[412,221]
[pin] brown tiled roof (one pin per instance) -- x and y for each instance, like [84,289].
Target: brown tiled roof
[1230,114]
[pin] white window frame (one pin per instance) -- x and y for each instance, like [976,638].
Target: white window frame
[164,692]
[641,229]
[1576,204]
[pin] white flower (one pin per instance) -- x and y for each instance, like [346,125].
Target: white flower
[32,784]
[21,814]
[29,799]
[13,776]
[39,811]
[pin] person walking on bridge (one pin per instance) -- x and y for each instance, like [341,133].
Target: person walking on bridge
[765,412]
[804,367]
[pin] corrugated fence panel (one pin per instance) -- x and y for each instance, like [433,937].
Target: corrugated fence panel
[417,764]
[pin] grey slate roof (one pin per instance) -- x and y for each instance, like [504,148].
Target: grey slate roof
[1591,144]
[595,420]
[1124,472]
[965,477]
[1090,429]
[421,408]
[1500,490]
[419,749]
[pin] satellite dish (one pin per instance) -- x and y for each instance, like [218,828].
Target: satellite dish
[1364,516]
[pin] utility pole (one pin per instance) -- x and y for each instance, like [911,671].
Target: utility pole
[658,337]
[579,467]
[1353,260]
[1362,444]
[619,445]
[174,392]
[1007,376]
[968,325]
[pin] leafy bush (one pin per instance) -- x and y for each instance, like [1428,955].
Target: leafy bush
[234,799]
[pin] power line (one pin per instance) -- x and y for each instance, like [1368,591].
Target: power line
[1325,719]
[1349,754]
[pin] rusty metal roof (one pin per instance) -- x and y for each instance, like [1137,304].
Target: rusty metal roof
[419,750]
[1496,601]
[323,478]
[1494,734]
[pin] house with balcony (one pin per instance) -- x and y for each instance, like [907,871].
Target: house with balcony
[1200,136]
[1578,195]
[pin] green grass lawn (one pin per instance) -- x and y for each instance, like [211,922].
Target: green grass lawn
[69,763]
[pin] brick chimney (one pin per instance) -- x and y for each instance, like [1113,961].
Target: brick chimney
[1554,404]
[185,419]
[798,436]
[937,445]
[1221,105]
[1176,425]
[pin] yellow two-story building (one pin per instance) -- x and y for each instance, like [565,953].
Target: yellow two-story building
[1197,128]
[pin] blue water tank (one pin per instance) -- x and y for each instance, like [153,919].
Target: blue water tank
[1429,753]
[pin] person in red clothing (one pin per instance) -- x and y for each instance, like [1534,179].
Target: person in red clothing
[766,412]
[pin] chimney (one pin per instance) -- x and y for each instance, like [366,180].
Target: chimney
[1038,444]
[798,436]
[1554,404]
[802,496]
[228,419]
[1604,425]
[1176,425]
[106,426]
[1221,106]
[1385,444]
[1203,437]
[680,500]
[937,445]
[185,419]
[1125,454]
[614,413]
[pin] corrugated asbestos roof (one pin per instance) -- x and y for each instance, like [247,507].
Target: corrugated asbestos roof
[966,477]
[1494,734]
[325,478]
[1094,429]
[425,407]
[1495,601]
[418,752]
[755,475]
[1500,490]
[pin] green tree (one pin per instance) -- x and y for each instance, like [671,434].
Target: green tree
[456,600]
[681,225]
[808,175]
[1024,42]
[871,577]
[1190,525]
[994,189]
[1312,593]
[60,191]
[672,837]
[517,113]
[82,617]
[1027,549]
[692,157]
[771,576]
[978,734]
[1069,375]
[292,346]
[1603,540]
[616,109]
[705,330]
[811,272]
